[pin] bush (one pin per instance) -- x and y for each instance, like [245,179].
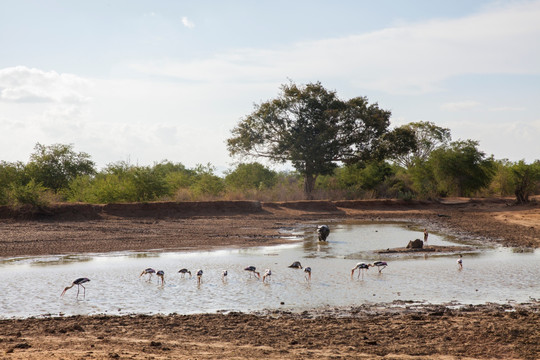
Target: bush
[32,193]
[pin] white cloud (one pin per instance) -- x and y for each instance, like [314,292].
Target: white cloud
[408,59]
[187,23]
[461,105]
[23,84]
[507,108]
[512,140]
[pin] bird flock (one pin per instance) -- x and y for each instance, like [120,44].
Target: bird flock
[322,231]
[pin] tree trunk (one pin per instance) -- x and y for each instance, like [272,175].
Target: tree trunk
[309,185]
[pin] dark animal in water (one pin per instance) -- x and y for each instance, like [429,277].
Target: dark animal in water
[323,231]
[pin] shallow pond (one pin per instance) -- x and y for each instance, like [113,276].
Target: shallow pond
[32,286]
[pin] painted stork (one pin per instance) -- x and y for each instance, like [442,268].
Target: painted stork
[161,275]
[184,272]
[361,268]
[79,282]
[296,265]
[267,274]
[148,271]
[380,265]
[307,270]
[252,270]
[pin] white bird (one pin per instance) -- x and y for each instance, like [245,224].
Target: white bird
[252,269]
[361,267]
[79,282]
[267,274]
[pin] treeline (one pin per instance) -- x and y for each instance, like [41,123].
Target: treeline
[57,173]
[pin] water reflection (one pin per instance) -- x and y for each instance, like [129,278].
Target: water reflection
[489,275]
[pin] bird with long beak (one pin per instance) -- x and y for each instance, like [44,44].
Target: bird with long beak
[184,272]
[307,270]
[252,270]
[380,265]
[296,265]
[361,267]
[161,275]
[199,276]
[267,274]
[79,282]
[148,271]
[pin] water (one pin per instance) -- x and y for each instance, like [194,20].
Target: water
[32,286]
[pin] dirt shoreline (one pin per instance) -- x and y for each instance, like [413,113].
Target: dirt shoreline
[364,332]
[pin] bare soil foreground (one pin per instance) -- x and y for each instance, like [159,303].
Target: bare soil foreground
[363,332]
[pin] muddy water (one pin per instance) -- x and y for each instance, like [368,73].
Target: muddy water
[32,286]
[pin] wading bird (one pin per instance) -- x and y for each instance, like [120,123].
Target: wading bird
[323,231]
[148,271]
[224,274]
[161,275]
[361,267]
[199,276]
[296,265]
[251,270]
[79,282]
[380,265]
[184,271]
[307,270]
[267,274]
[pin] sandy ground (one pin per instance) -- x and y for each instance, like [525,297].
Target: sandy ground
[363,332]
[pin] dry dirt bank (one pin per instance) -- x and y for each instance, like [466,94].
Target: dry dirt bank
[75,228]
[482,332]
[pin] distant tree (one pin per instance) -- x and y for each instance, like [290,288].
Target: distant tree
[55,166]
[526,179]
[148,184]
[11,174]
[176,175]
[503,182]
[206,183]
[428,137]
[461,168]
[313,129]
[251,176]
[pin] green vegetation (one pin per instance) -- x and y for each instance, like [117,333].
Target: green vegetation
[314,130]
[340,150]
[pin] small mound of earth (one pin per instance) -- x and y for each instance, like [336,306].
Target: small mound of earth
[427,249]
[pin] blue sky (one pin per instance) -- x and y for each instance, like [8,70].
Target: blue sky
[144,81]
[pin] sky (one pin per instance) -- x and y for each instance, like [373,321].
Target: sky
[145,81]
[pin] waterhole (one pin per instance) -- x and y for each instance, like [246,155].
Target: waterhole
[32,286]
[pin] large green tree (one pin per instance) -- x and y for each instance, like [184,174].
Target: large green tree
[313,129]
[55,166]
[526,179]
[251,176]
[461,168]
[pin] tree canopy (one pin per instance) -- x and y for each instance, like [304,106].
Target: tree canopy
[55,166]
[427,138]
[313,129]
